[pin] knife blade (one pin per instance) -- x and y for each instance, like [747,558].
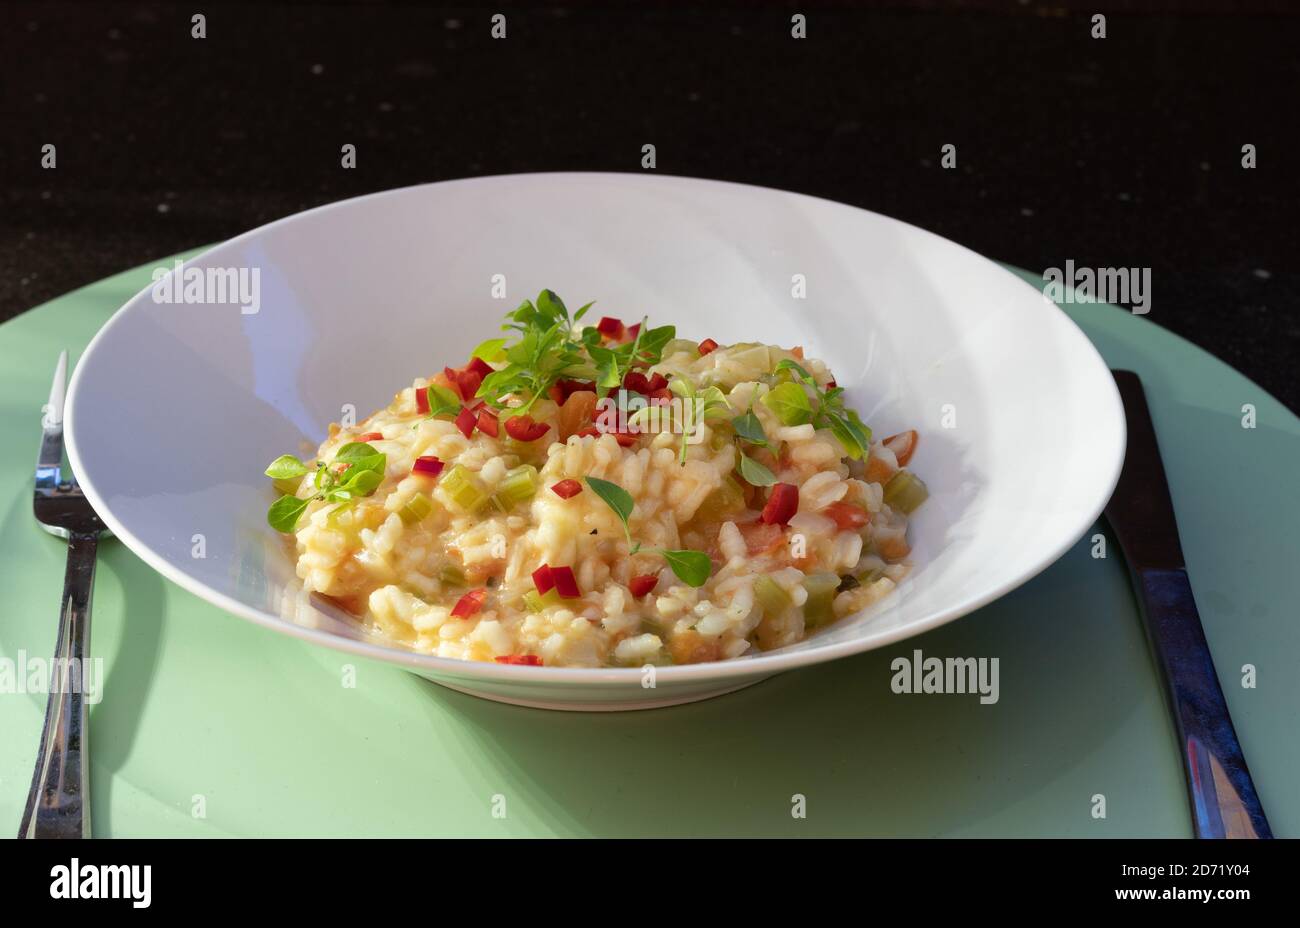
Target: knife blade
[1224,803]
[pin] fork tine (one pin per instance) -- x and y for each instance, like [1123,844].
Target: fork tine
[50,460]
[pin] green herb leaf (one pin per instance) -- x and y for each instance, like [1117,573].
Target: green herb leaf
[789,402]
[755,473]
[551,306]
[750,429]
[788,365]
[691,567]
[494,349]
[285,467]
[854,436]
[284,513]
[442,401]
[615,497]
[582,311]
[354,451]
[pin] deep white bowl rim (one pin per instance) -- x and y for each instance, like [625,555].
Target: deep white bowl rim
[760,665]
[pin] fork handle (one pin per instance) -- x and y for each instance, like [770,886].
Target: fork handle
[58,805]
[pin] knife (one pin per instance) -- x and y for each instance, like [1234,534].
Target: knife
[1141,514]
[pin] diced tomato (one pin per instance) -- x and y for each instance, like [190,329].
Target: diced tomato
[632,332]
[521,660]
[847,516]
[555,393]
[465,421]
[902,444]
[707,346]
[523,428]
[797,351]
[643,584]
[610,328]
[830,385]
[567,489]
[487,422]
[656,383]
[469,604]
[570,387]
[761,538]
[427,465]
[661,397]
[781,505]
[589,432]
[625,439]
[636,381]
[544,579]
[565,583]
[422,400]
[479,366]
[373,436]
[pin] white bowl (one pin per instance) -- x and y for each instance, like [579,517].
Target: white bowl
[174,410]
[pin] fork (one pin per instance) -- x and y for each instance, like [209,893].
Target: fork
[58,804]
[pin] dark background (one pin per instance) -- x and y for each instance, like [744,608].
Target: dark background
[1123,151]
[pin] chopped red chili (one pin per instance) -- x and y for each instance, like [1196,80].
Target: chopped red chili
[567,489]
[427,465]
[781,505]
[643,584]
[479,366]
[565,583]
[469,604]
[371,436]
[422,400]
[487,422]
[521,660]
[465,421]
[544,579]
[707,346]
[636,381]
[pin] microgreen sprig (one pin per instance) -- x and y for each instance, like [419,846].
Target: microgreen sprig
[691,567]
[363,474]
[791,405]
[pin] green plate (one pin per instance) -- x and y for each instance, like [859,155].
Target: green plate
[209,725]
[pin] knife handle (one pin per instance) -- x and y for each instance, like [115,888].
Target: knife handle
[1223,798]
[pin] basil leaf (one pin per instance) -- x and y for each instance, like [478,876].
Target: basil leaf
[285,467]
[789,402]
[615,497]
[750,429]
[691,567]
[841,429]
[360,483]
[551,306]
[442,401]
[583,311]
[284,513]
[494,349]
[755,473]
[354,451]
[788,365]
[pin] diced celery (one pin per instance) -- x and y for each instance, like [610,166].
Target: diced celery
[416,508]
[536,601]
[821,588]
[519,485]
[451,575]
[771,596]
[674,345]
[464,488]
[905,491]
[727,500]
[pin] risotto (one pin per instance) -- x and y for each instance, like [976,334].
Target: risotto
[603,495]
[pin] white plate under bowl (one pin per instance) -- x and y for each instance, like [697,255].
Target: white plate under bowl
[174,409]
